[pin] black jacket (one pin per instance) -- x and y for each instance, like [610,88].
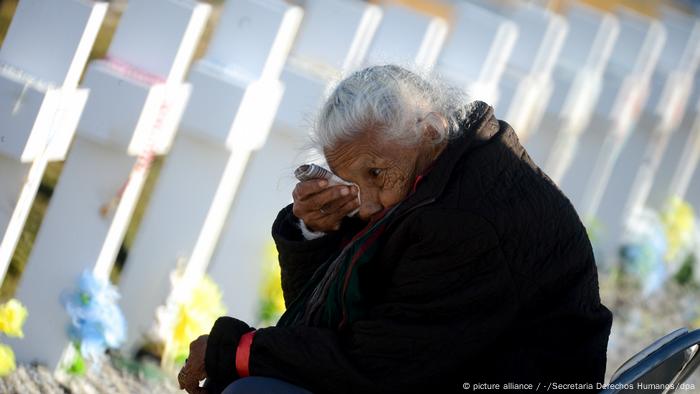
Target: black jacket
[488,277]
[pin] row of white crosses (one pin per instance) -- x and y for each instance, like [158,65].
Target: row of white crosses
[421,50]
[136,100]
[40,102]
[230,166]
[636,167]
[577,77]
[526,84]
[620,183]
[206,146]
[680,160]
[316,60]
[315,57]
[624,91]
[236,92]
[243,228]
[201,225]
[633,168]
[685,182]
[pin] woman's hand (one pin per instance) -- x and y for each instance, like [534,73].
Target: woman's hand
[323,207]
[194,371]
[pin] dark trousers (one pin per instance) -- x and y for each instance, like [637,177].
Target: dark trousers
[260,384]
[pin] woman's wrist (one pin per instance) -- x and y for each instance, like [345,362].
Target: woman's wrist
[243,354]
[222,345]
[308,233]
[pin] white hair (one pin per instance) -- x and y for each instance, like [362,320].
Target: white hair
[391,101]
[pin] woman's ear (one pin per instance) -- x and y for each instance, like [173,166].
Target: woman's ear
[432,126]
[431,133]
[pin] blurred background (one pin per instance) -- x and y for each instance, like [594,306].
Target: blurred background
[146,146]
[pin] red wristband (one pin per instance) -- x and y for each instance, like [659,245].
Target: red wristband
[243,354]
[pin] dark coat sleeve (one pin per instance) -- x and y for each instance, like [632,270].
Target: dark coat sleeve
[449,295]
[298,257]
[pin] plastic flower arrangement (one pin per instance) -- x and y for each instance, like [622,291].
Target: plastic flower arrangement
[272,299]
[97,322]
[7,360]
[643,249]
[12,317]
[181,322]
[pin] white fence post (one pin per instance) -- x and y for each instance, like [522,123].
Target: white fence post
[407,37]
[236,92]
[477,50]
[42,57]
[267,185]
[577,78]
[136,100]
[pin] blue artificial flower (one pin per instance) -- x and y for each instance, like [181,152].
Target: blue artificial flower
[89,334]
[115,326]
[97,323]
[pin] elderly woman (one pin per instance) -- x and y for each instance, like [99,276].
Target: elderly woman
[464,265]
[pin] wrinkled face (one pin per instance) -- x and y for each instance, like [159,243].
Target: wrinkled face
[384,171]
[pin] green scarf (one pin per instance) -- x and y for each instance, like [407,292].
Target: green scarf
[332,297]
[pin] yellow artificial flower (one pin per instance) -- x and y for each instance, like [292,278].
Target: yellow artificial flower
[679,221]
[7,360]
[186,330]
[12,317]
[206,299]
[196,316]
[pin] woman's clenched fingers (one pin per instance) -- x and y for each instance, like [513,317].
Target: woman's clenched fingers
[308,188]
[331,220]
[322,207]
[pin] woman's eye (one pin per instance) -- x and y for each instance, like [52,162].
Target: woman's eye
[375,172]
